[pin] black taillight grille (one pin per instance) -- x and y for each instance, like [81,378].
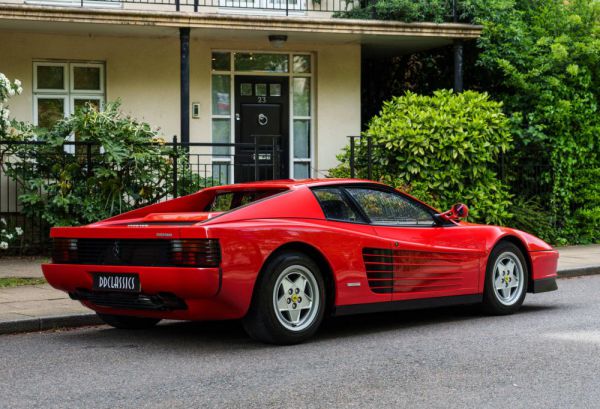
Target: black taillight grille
[138,252]
[194,253]
[64,250]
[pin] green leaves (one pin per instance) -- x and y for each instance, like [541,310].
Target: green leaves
[551,85]
[442,148]
[132,168]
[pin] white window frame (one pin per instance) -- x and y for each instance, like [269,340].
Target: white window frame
[68,94]
[64,66]
[291,75]
[72,89]
[37,97]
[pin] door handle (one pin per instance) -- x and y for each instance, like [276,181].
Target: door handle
[237,117]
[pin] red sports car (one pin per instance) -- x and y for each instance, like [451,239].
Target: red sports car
[281,255]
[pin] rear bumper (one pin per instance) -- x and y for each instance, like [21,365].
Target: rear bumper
[544,285]
[186,283]
[166,292]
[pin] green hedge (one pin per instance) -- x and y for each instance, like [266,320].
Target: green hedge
[443,149]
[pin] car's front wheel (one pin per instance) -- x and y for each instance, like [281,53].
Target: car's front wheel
[506,280]
[127,322]
[289,301]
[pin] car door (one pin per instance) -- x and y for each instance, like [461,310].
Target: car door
[346,234]
[421,259]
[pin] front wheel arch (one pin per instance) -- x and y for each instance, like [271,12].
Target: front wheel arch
[521,246]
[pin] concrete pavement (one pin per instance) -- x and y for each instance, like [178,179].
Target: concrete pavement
[21,266]
[579,260]
[40,307]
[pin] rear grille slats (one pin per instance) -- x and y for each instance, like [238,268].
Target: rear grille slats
[138,252]
[124,252]
[390,271]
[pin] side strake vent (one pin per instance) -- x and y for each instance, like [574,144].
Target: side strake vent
[137,252]
[380,269]
[398,271]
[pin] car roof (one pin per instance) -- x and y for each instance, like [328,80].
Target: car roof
[289,184]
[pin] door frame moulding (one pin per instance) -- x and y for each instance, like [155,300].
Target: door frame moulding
[232,72]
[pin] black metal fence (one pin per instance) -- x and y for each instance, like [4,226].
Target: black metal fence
[283,7]
[529,180]
[287,7]
[176,169]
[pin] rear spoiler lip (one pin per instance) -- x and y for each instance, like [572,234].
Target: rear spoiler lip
[161,232]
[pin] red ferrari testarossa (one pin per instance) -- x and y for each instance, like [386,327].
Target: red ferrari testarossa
[282,254]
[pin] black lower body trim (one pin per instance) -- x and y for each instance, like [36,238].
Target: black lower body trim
[544,285]
[131,301]
[408,304]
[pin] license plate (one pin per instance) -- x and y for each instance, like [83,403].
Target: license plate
[117,282]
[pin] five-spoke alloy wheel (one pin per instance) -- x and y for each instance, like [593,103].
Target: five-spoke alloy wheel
[296,297]
[506,280]
[288,302]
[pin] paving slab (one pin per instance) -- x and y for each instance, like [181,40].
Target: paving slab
[36,301]
[579,257]
[21,266]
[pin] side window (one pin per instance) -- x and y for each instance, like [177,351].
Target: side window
[334,205]
[387,208]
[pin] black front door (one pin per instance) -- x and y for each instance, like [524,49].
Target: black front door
[262,125]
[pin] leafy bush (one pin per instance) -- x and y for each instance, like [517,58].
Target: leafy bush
[7,90]
[546,56]
[585,219]
[402,10]
[7,235]
[530,216]
[130,167]
[442,149]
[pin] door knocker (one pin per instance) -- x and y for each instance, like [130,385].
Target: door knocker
[262,119]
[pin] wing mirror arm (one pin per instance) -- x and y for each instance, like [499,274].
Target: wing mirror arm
[454,215]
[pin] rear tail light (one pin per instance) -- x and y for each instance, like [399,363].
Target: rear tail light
[64,251]
[196,253]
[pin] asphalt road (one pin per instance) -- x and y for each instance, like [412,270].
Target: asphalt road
[547,356]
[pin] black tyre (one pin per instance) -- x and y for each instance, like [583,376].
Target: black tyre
[505,280]
[127,322]
[289,301]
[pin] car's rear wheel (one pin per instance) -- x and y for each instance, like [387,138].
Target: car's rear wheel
[289,301]
[128,322]
[506,280]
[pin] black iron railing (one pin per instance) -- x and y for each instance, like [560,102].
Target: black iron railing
[286,7]
[529,180]
[177,169]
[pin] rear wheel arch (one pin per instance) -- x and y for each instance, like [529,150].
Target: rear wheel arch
[521,246]
[317,256]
